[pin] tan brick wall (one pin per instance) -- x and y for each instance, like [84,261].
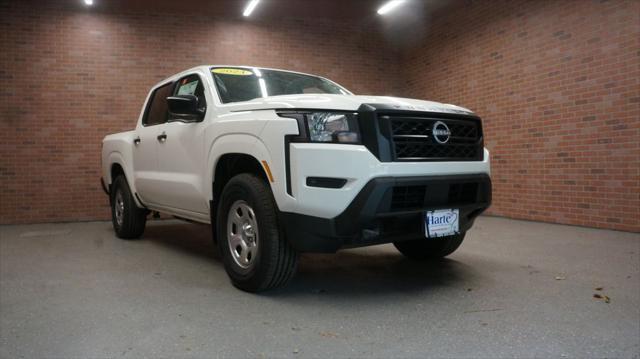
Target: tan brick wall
[558,86]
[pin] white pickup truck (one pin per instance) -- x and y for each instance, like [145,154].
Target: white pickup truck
[280,163]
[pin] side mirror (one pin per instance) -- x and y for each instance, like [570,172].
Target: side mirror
[184,105]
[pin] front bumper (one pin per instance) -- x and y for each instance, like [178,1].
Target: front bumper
[358,166]
[389,209]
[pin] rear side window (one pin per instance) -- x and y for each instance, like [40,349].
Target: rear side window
[157,111]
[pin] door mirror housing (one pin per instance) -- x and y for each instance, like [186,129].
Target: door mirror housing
[185,106]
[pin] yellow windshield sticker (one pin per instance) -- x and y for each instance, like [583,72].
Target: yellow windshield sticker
[238,72]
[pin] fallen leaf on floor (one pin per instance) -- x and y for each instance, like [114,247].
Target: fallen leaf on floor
[561,277]
[603,297]
[599,288]
[329,334]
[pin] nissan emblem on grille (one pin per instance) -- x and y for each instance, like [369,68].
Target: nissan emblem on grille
[441,132]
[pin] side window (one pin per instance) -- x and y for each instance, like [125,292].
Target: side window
[192,85]
[157,109]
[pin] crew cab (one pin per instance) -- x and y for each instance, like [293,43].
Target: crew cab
[281,163]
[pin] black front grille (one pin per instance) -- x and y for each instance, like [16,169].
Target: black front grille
[408,197]
[405,198]
[463,193]
[413,139]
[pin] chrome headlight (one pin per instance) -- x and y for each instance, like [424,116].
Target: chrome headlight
[334,126]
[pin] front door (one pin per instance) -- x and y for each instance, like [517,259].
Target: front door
[180,155]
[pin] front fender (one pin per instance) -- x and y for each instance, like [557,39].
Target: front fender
[235,143]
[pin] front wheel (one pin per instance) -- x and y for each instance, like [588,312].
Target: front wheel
[429,248]
[256,255]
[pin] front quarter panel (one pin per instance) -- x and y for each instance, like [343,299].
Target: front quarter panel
[260,134]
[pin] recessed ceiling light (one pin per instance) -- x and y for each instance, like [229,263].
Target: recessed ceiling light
[390,5]
[88,2]
[249,9]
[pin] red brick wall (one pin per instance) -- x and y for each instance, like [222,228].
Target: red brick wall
[71,75]
[557,83]
[558,86]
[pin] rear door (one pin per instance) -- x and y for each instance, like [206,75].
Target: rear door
[145,146]
[180,155]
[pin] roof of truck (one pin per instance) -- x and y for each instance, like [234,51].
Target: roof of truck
[206,68]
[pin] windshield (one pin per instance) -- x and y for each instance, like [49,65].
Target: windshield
[241,84]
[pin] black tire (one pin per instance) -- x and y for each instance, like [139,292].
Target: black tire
[130,223]
[275,261]
[429,248]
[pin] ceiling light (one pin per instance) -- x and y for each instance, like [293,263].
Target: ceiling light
[88,2]
[390,5]
[249,9]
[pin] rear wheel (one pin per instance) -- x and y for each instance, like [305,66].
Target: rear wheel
[430,248]
[128,220]
[255,252]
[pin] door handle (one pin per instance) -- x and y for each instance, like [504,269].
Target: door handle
[162,137]
[136,141]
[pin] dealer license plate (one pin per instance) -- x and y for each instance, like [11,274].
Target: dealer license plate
[441,223]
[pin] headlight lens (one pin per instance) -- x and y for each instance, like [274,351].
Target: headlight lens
[325,126]
[340,127]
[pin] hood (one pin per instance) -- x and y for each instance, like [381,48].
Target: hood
[341,102]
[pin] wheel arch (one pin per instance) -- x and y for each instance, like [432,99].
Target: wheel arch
[118,166]
[244,150]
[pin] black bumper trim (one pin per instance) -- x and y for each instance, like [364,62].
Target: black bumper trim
[326,182]
[104,186]
[371,218]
